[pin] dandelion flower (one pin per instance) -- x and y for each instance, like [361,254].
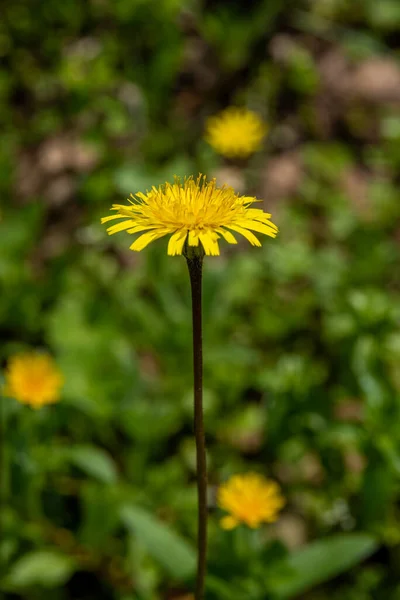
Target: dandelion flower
[235,132]
[196,212]
[33,378]
[250,499]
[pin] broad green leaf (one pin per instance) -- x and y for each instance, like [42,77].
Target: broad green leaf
[47,568]
[94,462]
[100,514]
[169,549]
[318,562]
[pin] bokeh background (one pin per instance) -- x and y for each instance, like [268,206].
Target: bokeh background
[302,347]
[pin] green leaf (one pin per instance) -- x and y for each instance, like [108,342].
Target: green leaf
[94,462]
[379,485]
[318,562]
[45,567]
[100,514]
[169,549]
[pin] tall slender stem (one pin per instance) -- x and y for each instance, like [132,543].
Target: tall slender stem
[195,264]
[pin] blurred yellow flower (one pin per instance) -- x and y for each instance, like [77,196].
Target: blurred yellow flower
[33,378]
[250,499]
[235,132]
[192,211]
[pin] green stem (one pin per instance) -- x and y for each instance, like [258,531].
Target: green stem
[195,263]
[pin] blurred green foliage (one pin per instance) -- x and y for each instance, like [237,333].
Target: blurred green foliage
[302,345]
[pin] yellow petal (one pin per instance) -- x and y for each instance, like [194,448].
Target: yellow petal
[229,523]
[210,246]
[145,239]
[250,200]
[139,228]
[193,238]
[247,234]
[120,227]
[257,213]
[228,236]
[111,218]
[260,227]
[176,242]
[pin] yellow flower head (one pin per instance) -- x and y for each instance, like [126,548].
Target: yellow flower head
[33,378]
[192,211]
[250,499]
[235,132]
